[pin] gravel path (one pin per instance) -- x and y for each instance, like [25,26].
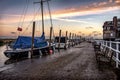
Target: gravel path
[77,63]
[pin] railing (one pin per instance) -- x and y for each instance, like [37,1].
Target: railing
[112,45]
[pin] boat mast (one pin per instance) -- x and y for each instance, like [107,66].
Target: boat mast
[42,16]
[51,28]
[50,13]
[41,4]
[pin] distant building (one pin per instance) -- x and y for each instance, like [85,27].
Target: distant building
[111,29]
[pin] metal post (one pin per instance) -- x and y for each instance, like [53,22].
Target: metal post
[117,57]
[32,46]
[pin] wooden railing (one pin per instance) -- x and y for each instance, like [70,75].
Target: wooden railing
[115,46]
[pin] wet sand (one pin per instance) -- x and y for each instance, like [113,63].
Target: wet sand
[76,63]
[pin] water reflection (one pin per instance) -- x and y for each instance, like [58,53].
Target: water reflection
[4,61]
[3,58]
[10,61]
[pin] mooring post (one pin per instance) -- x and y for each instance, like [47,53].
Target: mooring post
[72,39]
[33,32]
[80,40]
[75,39]
[59,40]
[66,40]
[50,39]
[69,39]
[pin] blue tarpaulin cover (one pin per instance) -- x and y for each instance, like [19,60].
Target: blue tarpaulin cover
[24,42]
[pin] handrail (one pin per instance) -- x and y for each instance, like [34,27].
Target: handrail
[115,48]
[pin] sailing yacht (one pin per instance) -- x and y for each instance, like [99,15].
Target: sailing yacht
[25,45]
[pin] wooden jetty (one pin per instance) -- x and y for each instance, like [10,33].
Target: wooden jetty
[77,63]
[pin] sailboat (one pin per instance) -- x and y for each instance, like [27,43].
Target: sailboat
[24,45]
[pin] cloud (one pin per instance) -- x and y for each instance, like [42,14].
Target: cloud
[89,27]
[117,1]
[71,20]
[95,8]
[95,32]
[10,15]
[13,32]
[110,1]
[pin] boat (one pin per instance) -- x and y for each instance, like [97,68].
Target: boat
[22,47]
[64,44]
[25,45]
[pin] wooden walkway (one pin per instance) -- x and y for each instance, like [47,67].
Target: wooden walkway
[77,63]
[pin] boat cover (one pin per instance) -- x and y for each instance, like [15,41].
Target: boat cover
[24,42]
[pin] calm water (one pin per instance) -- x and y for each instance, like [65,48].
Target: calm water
[2,56]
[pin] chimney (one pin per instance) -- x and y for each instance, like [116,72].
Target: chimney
[115,22]
[115,26]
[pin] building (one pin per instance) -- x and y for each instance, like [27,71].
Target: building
[111,29]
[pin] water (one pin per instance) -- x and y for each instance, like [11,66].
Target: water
[6,63]
[3,58]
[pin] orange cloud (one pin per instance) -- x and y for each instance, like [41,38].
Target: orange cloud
[110,1]
[117,1]
[93,8]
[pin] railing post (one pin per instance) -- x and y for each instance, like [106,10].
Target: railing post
[110,45]
[117,58]
[105,43]
[102,44]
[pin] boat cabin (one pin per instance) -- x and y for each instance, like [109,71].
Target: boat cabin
[64,42]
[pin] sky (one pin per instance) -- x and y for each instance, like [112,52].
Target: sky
[82,17]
